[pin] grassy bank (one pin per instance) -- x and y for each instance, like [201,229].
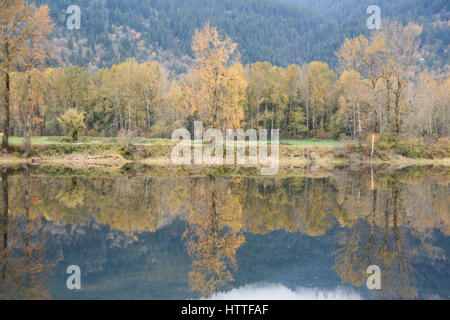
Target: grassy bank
[294,154]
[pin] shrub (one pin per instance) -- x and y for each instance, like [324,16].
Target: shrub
[73,122]
[384,144]
[69,148]
[414,148]
[440,149]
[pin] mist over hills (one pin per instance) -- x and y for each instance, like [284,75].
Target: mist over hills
[279,31]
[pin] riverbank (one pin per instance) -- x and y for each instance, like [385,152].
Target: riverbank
[295,158]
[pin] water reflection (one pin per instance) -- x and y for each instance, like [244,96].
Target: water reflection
[214,233]
[378,237]
[24,267]
[141,237]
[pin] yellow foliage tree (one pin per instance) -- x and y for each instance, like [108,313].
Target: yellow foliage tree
[215,84]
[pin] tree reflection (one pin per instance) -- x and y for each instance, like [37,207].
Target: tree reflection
[23,266]
[72,195]
[213,235]
[378,237]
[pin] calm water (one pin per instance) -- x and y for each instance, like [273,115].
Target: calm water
[138,237]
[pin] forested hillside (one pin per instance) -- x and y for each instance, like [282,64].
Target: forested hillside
[162,30]
[282,32]
[349,20]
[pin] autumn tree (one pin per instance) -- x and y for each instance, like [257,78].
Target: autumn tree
[73,122]
[171,112]
[215,84]
[267,95]
[128,97]
[385,59]
[37,31]
[429,98]
[255,77]
[14,20]
[400,53]
[316,84]
[295,119]
[65,88]
[352,102]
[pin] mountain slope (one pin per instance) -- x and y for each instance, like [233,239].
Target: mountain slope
[349,19]
[281,32]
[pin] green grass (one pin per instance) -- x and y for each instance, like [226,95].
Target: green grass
[311,142]
[42,140]
[84,139]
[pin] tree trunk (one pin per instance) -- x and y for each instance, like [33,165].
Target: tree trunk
[307,120]
[6,121]
[388,106]
[396,130]
[354,122]
[323,123]
[147,107]
[359,120]
[75,136]
[290,118]
[265,115]
[28,111]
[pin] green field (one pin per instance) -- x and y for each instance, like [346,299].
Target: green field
[312,142]
[57,140]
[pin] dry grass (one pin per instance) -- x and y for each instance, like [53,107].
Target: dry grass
[297,160]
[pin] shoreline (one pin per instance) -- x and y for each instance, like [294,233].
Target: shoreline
[111,159]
